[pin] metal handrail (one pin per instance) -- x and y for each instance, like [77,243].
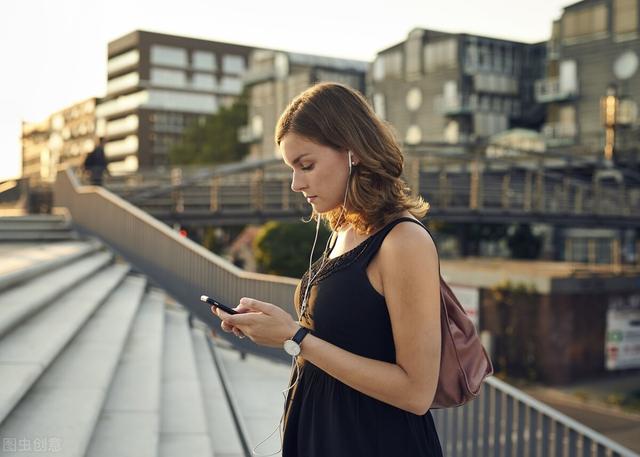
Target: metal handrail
[504,421]
[180,266]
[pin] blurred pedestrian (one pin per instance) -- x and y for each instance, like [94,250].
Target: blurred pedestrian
[95,164]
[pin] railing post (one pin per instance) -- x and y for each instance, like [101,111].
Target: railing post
[566,189]
[474,194]
[506,190]
[257,190]
[540,187]
[414,177]
[177,195]
[596,189]
[286,194]
[527,193]
[214,194]
[443,188]
[579,200]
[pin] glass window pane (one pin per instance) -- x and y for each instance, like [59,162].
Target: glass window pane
[204,60]
[168,55]
[233,64]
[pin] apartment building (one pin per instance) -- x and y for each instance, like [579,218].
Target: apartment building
[275,78]
[456,88]
[65,137]
[593,53]
[157,85]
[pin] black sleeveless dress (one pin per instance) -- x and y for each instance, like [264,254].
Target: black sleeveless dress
[326,418]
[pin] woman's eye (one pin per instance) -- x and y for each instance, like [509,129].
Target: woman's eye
[307,168]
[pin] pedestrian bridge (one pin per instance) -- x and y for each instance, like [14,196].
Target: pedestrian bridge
[105,349]
[460,188]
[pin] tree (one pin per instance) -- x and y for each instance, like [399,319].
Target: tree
[283,248]
[214,141]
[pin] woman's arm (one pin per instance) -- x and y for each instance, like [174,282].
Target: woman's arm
[409,269]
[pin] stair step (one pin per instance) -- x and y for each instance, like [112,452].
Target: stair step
[33,218]
[222,430]
[36,235]
[23,264]
[23,300]
[65,402]
[255,385]
[183,426]
[34,226]
[28,351]
[129,422]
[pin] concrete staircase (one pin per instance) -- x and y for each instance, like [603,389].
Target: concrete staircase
[95,361]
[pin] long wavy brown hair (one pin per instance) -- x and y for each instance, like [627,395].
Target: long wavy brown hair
[339,117]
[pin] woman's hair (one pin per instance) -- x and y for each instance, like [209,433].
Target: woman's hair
[339,117]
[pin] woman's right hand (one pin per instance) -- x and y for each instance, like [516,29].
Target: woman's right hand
[227,327]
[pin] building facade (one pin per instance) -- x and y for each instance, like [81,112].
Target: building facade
[275,78]
[65,137]
[594,48]
[157,85]
[456,88]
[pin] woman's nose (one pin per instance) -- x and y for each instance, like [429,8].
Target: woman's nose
[297,184]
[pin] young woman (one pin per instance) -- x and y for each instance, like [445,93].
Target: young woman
[367,337]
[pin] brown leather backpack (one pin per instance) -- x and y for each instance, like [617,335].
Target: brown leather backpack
[464,363]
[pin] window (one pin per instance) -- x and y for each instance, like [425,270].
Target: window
[168,78]
[392,64]
[230,85]
[233,64]
[203,60]
[585,22]
[441,54]
[414,135]
[625,16]
[180,101]
[168,55]
[378,69]
[413,46]
[379,105]
[203,81]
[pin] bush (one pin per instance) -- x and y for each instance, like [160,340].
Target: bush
[284,248]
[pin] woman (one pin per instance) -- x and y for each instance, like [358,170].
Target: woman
[369,364]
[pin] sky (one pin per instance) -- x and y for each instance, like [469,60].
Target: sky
[54,53]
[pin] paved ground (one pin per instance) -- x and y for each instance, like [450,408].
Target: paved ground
[590,408]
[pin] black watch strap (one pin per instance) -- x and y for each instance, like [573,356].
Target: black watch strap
[300,334]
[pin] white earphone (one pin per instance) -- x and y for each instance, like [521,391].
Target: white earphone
[294,366]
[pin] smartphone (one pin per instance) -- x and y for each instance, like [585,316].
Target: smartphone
[213,302]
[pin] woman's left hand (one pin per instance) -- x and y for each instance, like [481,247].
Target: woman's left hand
[266,324]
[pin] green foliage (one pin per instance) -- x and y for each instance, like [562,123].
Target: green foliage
[284,248]
[214,141]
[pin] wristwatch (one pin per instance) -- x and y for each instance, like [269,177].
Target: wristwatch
[292,346]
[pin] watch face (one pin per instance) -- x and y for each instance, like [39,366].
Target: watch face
[291,347]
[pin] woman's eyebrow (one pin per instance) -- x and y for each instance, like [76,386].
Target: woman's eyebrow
[298,158]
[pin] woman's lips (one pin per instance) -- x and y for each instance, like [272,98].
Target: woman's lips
[311,199]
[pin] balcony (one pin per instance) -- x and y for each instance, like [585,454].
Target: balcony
[551,90]
[559,133]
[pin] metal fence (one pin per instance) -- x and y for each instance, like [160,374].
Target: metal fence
[503,421]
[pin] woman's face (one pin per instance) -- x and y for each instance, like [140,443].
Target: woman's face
[319,172]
